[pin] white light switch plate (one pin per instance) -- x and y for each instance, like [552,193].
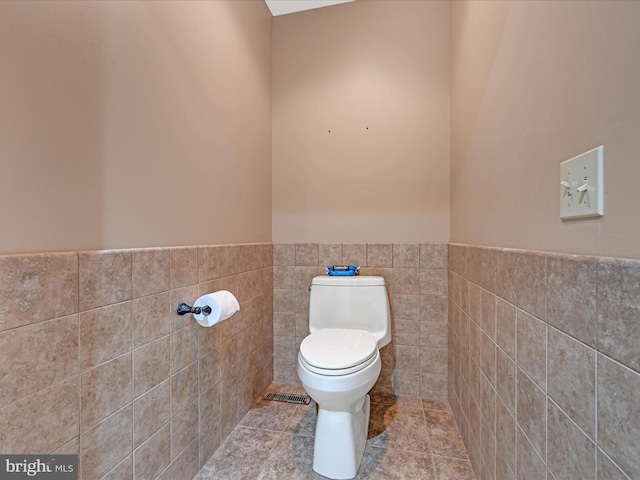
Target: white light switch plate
[582,185]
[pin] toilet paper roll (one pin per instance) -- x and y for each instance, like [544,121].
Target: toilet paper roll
[223,305]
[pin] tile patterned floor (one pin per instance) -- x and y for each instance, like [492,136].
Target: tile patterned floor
[409,438]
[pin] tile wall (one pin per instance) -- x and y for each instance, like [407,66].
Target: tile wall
[544,363]
[94,360]
[415,363]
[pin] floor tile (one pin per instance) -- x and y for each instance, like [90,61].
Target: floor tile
[384,464]
[241,455]
[453,469]
[269,415]
[401,428]
[409,438]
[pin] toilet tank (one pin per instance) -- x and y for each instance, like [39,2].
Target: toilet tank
[357,302]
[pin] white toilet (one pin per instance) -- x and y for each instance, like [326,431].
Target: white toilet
[339,362]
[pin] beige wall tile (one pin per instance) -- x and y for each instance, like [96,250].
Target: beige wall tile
[246,257]
[150,271]
[433,255]
[37,287]
[284,371]
[506,327]
[152,457]
[532,347]
[250,284]
[488,321]
[506,434]
[488,362]
[406,307]
[151,365]
[475,303]
[506,274]
[229,259]
[379,254]
[284,323]
[329,254]
[184,347]
[475,343]
[150,412]
[105,389]
[122,471]
[433,334]
[532,278]
[432,386]
[572,379]
[208,369]
[35,356]
[457,258]
[433,308]
[186,295]
[184,387]
[354,254]
[530,464]
[406,255]
[619,311]
[208,263]
[284,277]
[304,275]
[183,266]
[105,333]
[618,411]
[284,301]
[487,404]
[474,265]
[531,413]
[433,360]
[607,470]
[489,268]
[405,281]
[184,428]
[506,380]
[433,282]
[571,454]
[105,278]
[42,422]
[186,465]
[406,332]
[407,358]
[151,318]
[106,444]
[571,295]
[307,254]
[210,406]
[284,254]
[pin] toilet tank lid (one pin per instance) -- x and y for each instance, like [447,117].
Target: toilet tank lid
[354,281]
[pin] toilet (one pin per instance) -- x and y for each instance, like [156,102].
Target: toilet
[339,362]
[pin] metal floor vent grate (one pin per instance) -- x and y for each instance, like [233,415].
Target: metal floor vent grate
[289,398]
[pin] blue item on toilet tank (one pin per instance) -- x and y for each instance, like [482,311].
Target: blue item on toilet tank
[343,270]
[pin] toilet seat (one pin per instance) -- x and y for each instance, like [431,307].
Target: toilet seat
[335,351]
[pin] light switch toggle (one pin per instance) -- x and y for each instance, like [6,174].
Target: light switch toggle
[567,187]
[584,191]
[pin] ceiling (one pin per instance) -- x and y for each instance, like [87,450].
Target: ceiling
[282,7]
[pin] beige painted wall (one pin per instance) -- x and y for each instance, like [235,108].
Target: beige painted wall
[534,84]
[361,96]
[134,124]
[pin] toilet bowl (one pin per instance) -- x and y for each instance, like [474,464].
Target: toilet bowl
[337,367]
[339,362]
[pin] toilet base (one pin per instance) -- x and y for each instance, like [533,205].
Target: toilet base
[340,441]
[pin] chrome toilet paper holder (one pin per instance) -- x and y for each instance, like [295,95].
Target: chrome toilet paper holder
[183,309]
